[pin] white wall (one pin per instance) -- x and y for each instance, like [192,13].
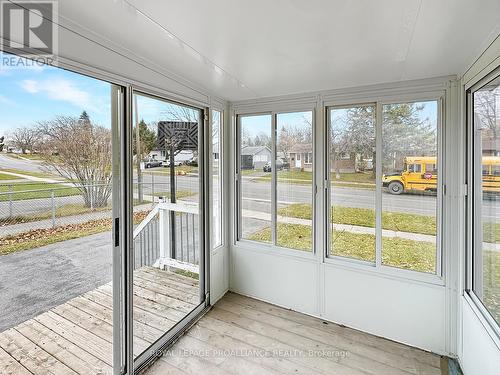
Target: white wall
[408,307]
[478,344]
[480,351]
[403,310]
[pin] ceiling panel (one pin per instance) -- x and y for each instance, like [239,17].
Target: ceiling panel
[246,49]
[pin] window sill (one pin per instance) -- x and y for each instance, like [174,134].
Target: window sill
[385,271]
[269,249]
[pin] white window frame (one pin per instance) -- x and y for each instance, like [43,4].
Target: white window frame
[377,266]
[472,187]
[220,160]
[263,246]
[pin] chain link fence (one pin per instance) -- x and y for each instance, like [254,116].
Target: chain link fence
[31,206]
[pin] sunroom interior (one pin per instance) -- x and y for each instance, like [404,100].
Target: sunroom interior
[250,187]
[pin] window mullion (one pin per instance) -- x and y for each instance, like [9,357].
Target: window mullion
[274,185]
[378,185]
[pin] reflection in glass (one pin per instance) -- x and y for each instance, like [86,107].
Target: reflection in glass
[56,243]
[352,170]
[216,179]
[294,172]
[486,250]
[255,179]
[410,182]
[166,217]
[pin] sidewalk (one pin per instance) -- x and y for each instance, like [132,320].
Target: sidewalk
[342,227]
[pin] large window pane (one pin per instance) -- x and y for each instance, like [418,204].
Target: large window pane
[216,179]
[410,180]
[255,179]
[166,217]
[486,185]
[58,179]
[294,179]
[352,174]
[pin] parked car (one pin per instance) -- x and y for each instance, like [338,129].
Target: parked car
[279,166]
[193,162]
[152,163]
[166,163]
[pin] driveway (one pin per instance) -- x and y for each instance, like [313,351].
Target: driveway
[34,281]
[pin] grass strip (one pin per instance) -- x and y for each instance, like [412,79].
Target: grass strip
[42,237]
[398,252]
[30,173]
[35,190]
[365,217]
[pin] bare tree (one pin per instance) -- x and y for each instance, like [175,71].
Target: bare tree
[80,151]
[25,139]
[288,137]
[485,109]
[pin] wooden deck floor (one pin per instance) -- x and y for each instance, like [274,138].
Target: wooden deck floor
[241,335]
[76,337]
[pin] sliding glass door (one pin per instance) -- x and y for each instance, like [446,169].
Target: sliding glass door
[168,246]
[59,202]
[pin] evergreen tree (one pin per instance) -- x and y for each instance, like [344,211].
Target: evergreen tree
[147,138]
[84,117]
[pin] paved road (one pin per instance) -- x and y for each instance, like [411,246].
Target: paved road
[23,165]
[257,196]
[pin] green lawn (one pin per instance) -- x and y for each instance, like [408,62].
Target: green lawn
[42,237]
[491,282]
[291,175]
[402,253]
[297,176]
[30,173]
[4,176]
[25,156]
[36,190]
[365,217]
[166,170]
[178,195]
[288,235]
[360,177]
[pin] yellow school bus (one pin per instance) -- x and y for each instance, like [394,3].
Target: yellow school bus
[420,174]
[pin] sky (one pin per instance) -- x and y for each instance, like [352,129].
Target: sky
[255,125]
[37,93]
[152,110]
[31,93]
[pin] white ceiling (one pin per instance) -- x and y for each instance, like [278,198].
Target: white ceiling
[242,49]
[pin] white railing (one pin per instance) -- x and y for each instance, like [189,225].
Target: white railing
[153,237]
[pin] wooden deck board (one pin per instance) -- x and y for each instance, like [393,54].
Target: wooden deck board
[10,366]
[239,335]
[240,325]
[337,330]
[64,350]
[30,355]
[76,337]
